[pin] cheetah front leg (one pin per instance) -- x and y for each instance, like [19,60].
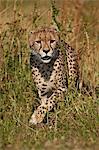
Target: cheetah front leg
[46,105]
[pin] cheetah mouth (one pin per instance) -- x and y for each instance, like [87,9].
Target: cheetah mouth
[46,58]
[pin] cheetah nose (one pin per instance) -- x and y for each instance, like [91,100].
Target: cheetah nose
[46,50]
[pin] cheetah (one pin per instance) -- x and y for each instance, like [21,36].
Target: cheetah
[48,68]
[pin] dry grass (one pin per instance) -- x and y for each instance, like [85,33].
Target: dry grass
[77,119]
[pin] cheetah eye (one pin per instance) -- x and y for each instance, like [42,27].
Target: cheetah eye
[52,41]
[39,42]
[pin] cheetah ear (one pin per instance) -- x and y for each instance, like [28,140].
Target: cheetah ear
[29,35]
[31,32]
[55,28]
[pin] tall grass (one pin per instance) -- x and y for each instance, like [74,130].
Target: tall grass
[74,124]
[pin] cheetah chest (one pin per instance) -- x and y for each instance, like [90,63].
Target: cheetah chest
[47,77]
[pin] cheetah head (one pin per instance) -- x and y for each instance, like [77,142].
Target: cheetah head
[43,44]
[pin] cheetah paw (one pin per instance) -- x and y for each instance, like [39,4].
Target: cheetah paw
[33,120]
[37,117]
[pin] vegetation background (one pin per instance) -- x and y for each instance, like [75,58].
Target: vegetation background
[76,124]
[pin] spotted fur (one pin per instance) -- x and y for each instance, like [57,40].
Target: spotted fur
[49,70]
